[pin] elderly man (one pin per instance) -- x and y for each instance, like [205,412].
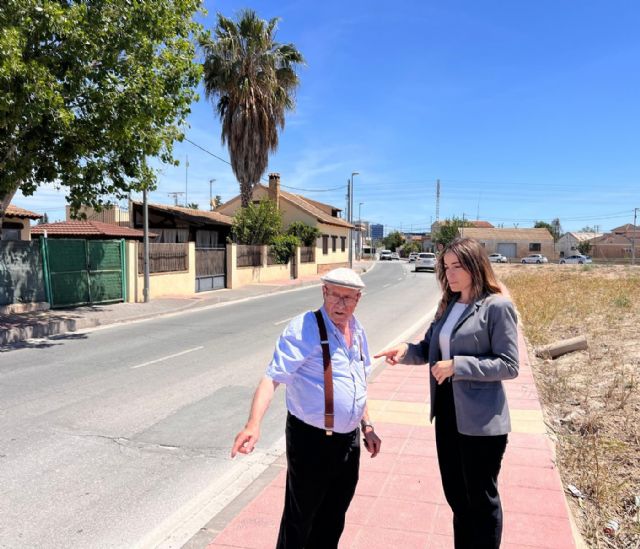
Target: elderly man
[323,359]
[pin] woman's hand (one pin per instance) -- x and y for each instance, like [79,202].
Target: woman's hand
[442,369]
[393,355]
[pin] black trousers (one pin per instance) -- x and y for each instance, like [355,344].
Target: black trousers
[469,467]
[322,473]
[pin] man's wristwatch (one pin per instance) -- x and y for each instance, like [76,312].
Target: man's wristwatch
[364,424]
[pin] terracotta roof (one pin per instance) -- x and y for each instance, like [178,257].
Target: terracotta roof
[612,238]
[86,228]
[507,234]
[315,211]
[481,224]
[14,211]
[203,215]
[627,227]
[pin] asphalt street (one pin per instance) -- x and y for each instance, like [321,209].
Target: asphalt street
[120,437]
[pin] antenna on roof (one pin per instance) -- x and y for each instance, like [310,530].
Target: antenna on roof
[175,196]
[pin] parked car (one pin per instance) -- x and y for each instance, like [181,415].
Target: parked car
[425,260]
[535,258]
[412,256]
[385,255]
[498,258]
[395,255]
[577,258]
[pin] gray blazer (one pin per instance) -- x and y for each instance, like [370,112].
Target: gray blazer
[484,348]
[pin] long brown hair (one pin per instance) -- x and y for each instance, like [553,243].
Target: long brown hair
[474,259]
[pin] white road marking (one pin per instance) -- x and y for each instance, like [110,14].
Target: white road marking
[283,321]
[167,357]
[386,285]
[179,528]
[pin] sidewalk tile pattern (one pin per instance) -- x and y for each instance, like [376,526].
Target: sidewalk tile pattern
[399,500]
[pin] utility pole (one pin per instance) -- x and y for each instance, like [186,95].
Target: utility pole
[175,196]
[186,182]
[633,237]
[353,174]
[437,200]
[211,182]
[145,245]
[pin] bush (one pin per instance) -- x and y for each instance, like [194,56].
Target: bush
[283,247]
[306,233]
[257,224]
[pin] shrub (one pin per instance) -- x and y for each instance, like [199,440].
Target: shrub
[257,224]
[306,233]
[283,247]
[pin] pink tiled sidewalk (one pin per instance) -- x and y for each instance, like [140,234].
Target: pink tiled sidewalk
[399,501]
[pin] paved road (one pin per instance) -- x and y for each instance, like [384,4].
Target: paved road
[119,437]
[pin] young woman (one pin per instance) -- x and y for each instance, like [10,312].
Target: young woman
[471,346]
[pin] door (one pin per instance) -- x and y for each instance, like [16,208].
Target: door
[508,249]
[211,269]
[84,272]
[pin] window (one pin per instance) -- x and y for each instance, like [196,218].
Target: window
[325,244]
[343,243]
[535,246]
[334,243]
[10,234]
[11,231]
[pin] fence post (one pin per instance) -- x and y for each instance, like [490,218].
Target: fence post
[264,254]
[232,265]
[298,260]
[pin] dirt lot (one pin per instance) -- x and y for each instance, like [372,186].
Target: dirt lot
[591,399]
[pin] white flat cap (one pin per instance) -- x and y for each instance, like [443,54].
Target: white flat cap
[343,277]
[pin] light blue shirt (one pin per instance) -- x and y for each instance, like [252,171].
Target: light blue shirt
[297,363]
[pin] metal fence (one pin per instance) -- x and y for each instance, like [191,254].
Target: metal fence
[307,254]
[21,274]
[249,256]
[165,258]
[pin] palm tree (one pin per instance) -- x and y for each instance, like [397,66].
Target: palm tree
[253,79]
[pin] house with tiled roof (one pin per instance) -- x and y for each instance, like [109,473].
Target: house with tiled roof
[569,243]
[16,224]
[513,243]
[88,230]
[332,247]
[175,224]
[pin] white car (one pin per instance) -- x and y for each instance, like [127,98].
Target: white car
[385,255]
[498,258]
[577,258]
[412,256]
[395,255]
[535,258]
[425,261]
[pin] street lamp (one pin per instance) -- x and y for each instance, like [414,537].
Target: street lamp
[211,182]
[360,236]
[353,174]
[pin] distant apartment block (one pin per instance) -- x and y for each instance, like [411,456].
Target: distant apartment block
[377,232]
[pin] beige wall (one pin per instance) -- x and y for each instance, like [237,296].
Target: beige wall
[332,258]
[25,232]
[110,214]
[522,247]
[160,284]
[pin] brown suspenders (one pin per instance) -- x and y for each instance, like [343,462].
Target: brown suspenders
[328,374]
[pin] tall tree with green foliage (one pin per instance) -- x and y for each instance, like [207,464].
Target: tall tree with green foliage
[257,223]
[253,79]
[448,230]
[554,228]
[89,90]
[393,240]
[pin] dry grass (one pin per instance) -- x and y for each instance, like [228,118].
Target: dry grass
[591,399]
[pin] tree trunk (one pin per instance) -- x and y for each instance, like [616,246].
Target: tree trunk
[4,204]
[246,193]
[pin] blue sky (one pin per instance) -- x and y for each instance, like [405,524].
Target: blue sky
[523,110]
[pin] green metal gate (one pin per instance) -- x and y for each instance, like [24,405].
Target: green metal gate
[84,272]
